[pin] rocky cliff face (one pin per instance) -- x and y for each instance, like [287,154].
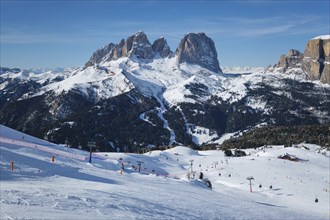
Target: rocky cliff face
[316,60]
[161,47]
[136,45]
[99,54]
[198,49]
[139,46]
[292,60]
[193,48]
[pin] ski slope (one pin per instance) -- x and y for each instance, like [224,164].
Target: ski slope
[71,188]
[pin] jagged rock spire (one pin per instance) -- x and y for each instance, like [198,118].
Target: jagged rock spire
[193,48]
[160,46]
[198,49]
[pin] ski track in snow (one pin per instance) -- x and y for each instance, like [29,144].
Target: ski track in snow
[160,114]
[74,189]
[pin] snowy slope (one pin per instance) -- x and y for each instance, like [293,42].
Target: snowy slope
[171,84]
[322,37]
[162,78]
[71,188]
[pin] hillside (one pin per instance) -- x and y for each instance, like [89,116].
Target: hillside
[135,94]
[71,188]
[281,135]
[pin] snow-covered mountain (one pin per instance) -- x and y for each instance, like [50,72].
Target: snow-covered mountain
[111,187]
[135,94]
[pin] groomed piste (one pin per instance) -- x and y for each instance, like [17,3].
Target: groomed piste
[167,186]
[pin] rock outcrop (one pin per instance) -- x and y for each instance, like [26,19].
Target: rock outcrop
[292,60]
[139,46]
[198,49]
[136,45]
[100,54]
[316,62]
[193,48]
[161,47]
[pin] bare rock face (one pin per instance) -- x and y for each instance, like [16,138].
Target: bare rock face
[316,62]
[117,51]
[198,49]
[292,60]
[161,47]
[100,54]
[137,45]
[193,48]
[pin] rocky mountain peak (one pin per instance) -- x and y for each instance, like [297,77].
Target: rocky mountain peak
[294,53]
[291,60]
[136,45]
[193,48]
[161,47]
[100,54]
[198,49]
[316,62]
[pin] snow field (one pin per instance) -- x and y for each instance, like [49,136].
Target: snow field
[74,189]
[163,79]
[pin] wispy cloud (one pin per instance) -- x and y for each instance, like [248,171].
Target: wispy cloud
[229,26]
[257,27]
[265,31]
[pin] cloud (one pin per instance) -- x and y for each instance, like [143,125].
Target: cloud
[257,27]
[103,31]
[265,30]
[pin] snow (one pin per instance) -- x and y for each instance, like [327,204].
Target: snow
[256,103]
[95,82]
[71,188]
[224,137]
[164,79]
[241,70]
[178,93]
[201,135]
[235,85]
[143,117]
[204,137]
[322,37]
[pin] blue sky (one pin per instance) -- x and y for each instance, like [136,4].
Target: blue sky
[246,33]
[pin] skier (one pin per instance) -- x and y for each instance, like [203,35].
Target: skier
[201,175]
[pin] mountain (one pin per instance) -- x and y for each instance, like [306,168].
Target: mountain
[136,94]
[314,62]
[137,46]
[198,49]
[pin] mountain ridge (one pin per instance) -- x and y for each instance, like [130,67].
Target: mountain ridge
[121,99]
[314,62]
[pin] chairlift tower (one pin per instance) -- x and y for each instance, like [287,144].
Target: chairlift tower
[250,178]
[191,168]
[91,145]
[139,164]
